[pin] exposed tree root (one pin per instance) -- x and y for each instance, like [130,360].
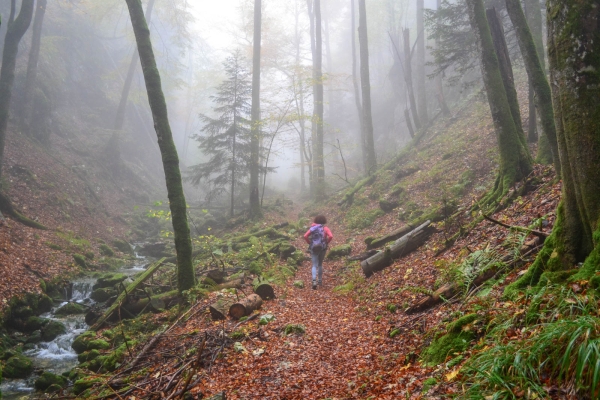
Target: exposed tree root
[7,208]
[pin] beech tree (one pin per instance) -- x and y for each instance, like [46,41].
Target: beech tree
[183,243]
[255,203]
[515,161]
[421,86]
[317,137]
[357,94]
[574,58]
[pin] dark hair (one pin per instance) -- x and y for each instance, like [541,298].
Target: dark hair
[320,219]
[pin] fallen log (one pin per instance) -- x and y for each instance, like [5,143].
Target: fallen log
[219,310]
[363,256]
[450,290]
[390,237]
[232,284]
[156,303]
[349,196]
[139,280]
[271,233]
[542,235]
[245,307]
[264,290]
[401,247]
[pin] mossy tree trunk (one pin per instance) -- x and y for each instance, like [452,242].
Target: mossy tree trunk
[421,86]
[408,78]
[318,157]
[365,80]
[537,75]
[183,243]
[32,66]
[515,161]
[255,133]
[15,31]
[574,57]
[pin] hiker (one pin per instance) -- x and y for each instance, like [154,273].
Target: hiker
[318,238]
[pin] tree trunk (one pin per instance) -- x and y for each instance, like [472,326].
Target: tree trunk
[515,161]
[409,79]
[177,204]
[506,70]
[421,87]
[318,157]
[357,94]
[246,306]
[532,136]
[401,247]
[411,130]
[16,30]
[264,290]
[394,235]
[438,78]
[365,80]
[313,131]
[537,76]
[255,211]
[32,64]
[220,309]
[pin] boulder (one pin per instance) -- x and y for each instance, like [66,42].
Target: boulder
[98,344]
[109,280]
[18,367]
[80,344]
[122,246]
[34,324]
[155,250]
[53,330]
[102,294]
[339,251]
[48,379]
[71,309]
[45,304]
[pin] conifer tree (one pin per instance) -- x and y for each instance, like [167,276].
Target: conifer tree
[226,138]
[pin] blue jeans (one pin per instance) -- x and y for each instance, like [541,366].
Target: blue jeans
[317,264]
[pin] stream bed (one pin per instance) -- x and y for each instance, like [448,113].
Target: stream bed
[57,356]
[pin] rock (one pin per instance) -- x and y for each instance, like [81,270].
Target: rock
[339,251]
[34,324]
[98,344]
[216,275]
[53,330]
[80,343]
[71,309]
[88,356]
[35,337]
[54,388]
[17,367]
[286,250]
[22,312]
[83,384]
[45,304]
[122,246]
[92,316]
[106,251]
[387,205]
[102,294]
[48,379]
[155,250]
[109,280]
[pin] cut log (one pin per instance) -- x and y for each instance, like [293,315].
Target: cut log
[139,280]
[363,256]
[452,289]
[390,237]
[264,290]
[401,247]
[245,307]
[219,310]
[232,284]
[349,196]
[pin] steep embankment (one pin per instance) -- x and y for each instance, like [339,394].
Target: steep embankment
[66,187]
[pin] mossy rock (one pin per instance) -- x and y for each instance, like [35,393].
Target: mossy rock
[122,246]
[90,255]
[103,294]
[17,367]
[458,325]
[106,251]
[388,205]
[80,260]
[21,312]
[449,344]
[98,344]
[80,344]
[45,303]
[109,280]
[83,384]
[35,337]
[71,309]
[286,250]
[48,379]
[53,330]
[35,324]
[88,356]
[298,256]
[339,251]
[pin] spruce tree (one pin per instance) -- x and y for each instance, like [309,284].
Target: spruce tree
[226,138]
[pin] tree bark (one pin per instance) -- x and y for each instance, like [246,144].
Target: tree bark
[255,211]
[365,80]
[357,93]
[394,235]
[438,78]
[506,71]
[537,76]
[401,247]
[515,161]
[246,306]
[532,135]
[411,130]
[32,66]
[318,157]
[264,290]
[158,105]
[220,309]
[14,34]
[421,87]
[313,50]
[409,79]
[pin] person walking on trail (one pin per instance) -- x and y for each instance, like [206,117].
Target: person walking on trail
[318,238]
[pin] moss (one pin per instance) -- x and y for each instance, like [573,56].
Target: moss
[34,323]
[428,384]
[45,303]
[82,385]
[446,345]
[122,246]
[345,288]
[458,325]
[106,251]
[339,251]
[53,330]
[299,284]
[88,356]
[80,344]
[18,367]
[109,280]
[48,379]
[98,344]
[357,218]
[89,255]
[256,267]
[80,260]
[70,309]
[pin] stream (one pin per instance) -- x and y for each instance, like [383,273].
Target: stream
[57,356]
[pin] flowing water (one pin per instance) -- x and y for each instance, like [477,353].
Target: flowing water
[57,356]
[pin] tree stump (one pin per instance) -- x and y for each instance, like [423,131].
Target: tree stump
[245,306]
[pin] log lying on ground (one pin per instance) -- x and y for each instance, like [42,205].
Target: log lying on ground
[245,306]
[390,237]
[130,289]
[349,196]
[400,248]
[231,284]
[156,303]
[452,289]
[271,233]
[264,290]
[363,256]
[219,310]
